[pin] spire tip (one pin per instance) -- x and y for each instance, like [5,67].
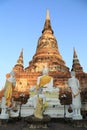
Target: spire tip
[47,15]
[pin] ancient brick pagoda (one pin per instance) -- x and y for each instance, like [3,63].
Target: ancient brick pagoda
[47,53]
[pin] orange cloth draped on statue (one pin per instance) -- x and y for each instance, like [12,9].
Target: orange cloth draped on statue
[8,92]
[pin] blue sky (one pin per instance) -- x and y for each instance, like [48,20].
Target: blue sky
[21,24]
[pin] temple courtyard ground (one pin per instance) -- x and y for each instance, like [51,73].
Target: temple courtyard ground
[59,124]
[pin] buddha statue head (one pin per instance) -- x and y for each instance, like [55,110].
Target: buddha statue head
[72,73]
[45,71]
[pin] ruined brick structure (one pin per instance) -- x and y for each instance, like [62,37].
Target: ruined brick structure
[47,53]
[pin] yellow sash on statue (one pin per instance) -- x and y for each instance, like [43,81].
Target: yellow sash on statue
[44,80]
[8,92]
[40,107]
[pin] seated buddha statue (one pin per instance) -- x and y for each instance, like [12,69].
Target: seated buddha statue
[43,95]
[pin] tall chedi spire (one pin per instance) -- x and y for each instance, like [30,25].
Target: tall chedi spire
[76,64]
[19,65]
[47,25]
[47,52]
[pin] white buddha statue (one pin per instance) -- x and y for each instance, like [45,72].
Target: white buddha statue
[44,83]
[74,84]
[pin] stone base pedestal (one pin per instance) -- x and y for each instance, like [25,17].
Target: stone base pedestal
[77,117]
[4,116]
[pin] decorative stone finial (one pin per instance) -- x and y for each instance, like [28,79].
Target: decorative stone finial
[74,55]
[47,15]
